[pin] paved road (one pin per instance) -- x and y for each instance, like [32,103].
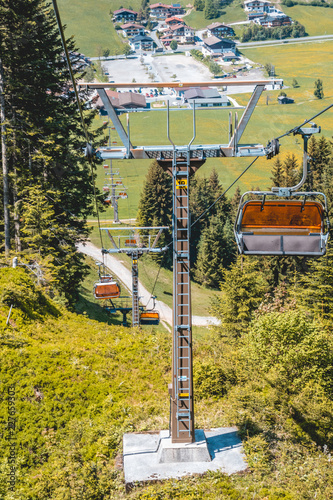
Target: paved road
[305,39]
[119,270]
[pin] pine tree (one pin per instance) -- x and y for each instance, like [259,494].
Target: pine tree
[319,90]
[44,135]
[216,252]
[244,288]
[278,174]
[291,170]
[315,289]
[155,205]
[235,200]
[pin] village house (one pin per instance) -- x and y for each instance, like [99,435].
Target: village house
[256,5]
[130,29]
[218,46]
[181,33]
[121,101]
[124,15]
[163,11]
[170,21]
[220,30]
[274,21]
[204,97]
[283,99]
[142,42]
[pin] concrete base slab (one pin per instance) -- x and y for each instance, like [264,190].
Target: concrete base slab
[149,457]
[169,452]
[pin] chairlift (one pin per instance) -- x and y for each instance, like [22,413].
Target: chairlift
[150,316]
[106,288]
[292,223]
[282,226]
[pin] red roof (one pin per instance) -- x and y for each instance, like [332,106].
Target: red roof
[124,10]
[131,25]
[155,5]
[174,18]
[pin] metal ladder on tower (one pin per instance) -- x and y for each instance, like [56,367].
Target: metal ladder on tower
[135,291]
[183,384]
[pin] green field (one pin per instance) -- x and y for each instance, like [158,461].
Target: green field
[317,20]
[232,13]
[90,23]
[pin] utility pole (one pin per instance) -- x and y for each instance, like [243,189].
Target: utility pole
[4,161]
[114,200]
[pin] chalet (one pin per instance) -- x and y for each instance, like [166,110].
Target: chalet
[142,42]
[205,97]
[131,29]
[122,101]
[124,15]
[274,21]
[218,46]
[163,11]
[256,5]
[170,21]
[181,33]
[220,30]
[282,99]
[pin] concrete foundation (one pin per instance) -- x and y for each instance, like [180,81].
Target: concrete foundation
[151,456]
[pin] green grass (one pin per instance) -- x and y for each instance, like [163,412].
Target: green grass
[90,23]
[233,12]
[317,20]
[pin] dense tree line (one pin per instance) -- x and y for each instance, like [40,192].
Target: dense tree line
[47,190]
[256,33]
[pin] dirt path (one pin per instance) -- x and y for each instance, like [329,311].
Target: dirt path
[125,276]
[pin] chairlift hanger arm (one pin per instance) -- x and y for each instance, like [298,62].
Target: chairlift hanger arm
[296,130]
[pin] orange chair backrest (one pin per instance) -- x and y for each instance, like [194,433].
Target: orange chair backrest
[107,290]
[282,215]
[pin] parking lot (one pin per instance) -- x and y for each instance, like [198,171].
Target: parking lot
[163,68]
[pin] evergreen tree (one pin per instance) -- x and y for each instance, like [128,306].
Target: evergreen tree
[216,251]
[320,152]
[319,90]
[155,204]
[210,12]
[291,170]
[244,288]
[315,289]
[235,200]
[278,177]
[44,134]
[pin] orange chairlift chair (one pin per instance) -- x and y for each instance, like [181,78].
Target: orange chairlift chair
[150,316]
[106,288]
[282,226]
[289,223]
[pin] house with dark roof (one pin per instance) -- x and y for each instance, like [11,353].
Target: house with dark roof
[218,46]
[142,42]
[121,101]
[124,15]
[283,99]
[220,30]
[131,29]
[204,97]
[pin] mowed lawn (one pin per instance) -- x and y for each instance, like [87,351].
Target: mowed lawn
[317,20]
[90,23]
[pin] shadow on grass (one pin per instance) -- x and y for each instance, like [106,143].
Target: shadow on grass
[96,312]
